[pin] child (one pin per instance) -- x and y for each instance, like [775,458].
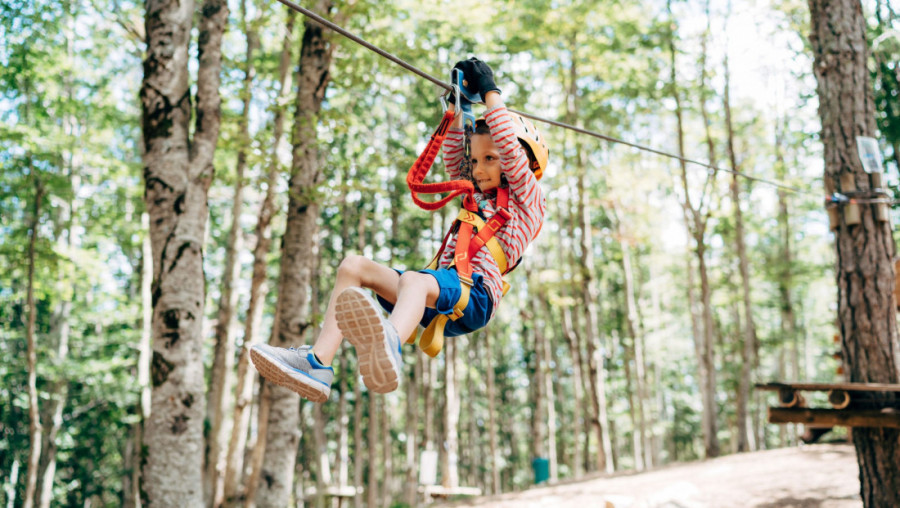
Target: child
[497,160]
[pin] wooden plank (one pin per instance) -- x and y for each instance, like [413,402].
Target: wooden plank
[824,387]
[842,417]
[441,491]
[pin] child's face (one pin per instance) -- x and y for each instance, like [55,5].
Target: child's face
[485,162]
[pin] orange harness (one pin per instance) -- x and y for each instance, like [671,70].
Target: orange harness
[473,233]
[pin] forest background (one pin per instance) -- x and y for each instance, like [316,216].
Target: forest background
[657,293]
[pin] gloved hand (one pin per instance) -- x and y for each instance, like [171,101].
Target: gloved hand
[451,98]
[478,75]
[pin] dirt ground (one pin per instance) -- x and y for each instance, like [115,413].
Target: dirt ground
[816,476]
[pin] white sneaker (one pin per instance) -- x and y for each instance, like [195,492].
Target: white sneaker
[376,340]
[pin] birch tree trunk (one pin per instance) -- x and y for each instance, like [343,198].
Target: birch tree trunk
[696,221]
[178,172]
[551,407]
[494,463]
[372,446]
[245,376]
[863,243]
[579,430]
[449,466]
[58,390]
[293,313]
[589,292]
[412,433]
[748,344]
[35,430]
[219,393]
[530,322]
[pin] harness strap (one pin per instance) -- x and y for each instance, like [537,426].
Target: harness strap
[468,244]
[432,340]
[415,178]
[468,241]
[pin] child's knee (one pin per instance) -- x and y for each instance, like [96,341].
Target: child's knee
[353,265]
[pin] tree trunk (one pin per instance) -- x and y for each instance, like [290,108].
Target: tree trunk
[57,393]
[178,172]
[864,247]
[372,451]
[219,392]
[145,353]
[472,448]
[449,466]
[360,445]
[589,297]
[412,434]
[530,322]
[573,343]
[245,376]
[494,463]
[788,325]
[293,317]
[58,388]
[639,437]
[749,330]
[35,429]
[696,221]
[551,407]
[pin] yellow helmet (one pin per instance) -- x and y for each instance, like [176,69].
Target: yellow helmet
[532,140]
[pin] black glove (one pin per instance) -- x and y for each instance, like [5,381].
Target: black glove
[478,75]
[451,98]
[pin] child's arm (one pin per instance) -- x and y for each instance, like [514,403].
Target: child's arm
[453,148]
[525,192]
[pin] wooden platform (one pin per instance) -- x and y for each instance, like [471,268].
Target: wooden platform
[852,404]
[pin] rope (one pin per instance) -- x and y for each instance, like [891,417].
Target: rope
[834,200]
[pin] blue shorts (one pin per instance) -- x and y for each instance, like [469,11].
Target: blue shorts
[477,312]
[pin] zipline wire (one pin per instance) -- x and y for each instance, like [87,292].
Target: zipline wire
[328,24]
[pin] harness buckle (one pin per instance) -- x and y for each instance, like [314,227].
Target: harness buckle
[466,280]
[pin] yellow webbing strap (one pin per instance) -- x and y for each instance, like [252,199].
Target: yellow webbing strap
[492,244]
[432,340]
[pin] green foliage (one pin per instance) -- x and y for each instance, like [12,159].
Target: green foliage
[69,75]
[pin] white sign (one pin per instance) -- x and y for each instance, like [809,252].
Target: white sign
[869,154]
[428,467]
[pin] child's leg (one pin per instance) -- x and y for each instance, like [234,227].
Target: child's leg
[415,292]
[354,271]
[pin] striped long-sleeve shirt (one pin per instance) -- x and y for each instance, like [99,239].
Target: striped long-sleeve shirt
[527,203]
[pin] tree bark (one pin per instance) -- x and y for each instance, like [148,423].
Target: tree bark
[788,325]
[372,449]
[245,376]
[748,344]
[35,430]
[864,248]
[494,464]
[178,170]
[634,349]
[293,314]
[574,346]
[551,406]
[589,296]
[219,393]
[696,221]
[449,462]
[58,390]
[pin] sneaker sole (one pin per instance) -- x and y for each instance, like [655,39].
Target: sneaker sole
[278,374]
[361,324]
